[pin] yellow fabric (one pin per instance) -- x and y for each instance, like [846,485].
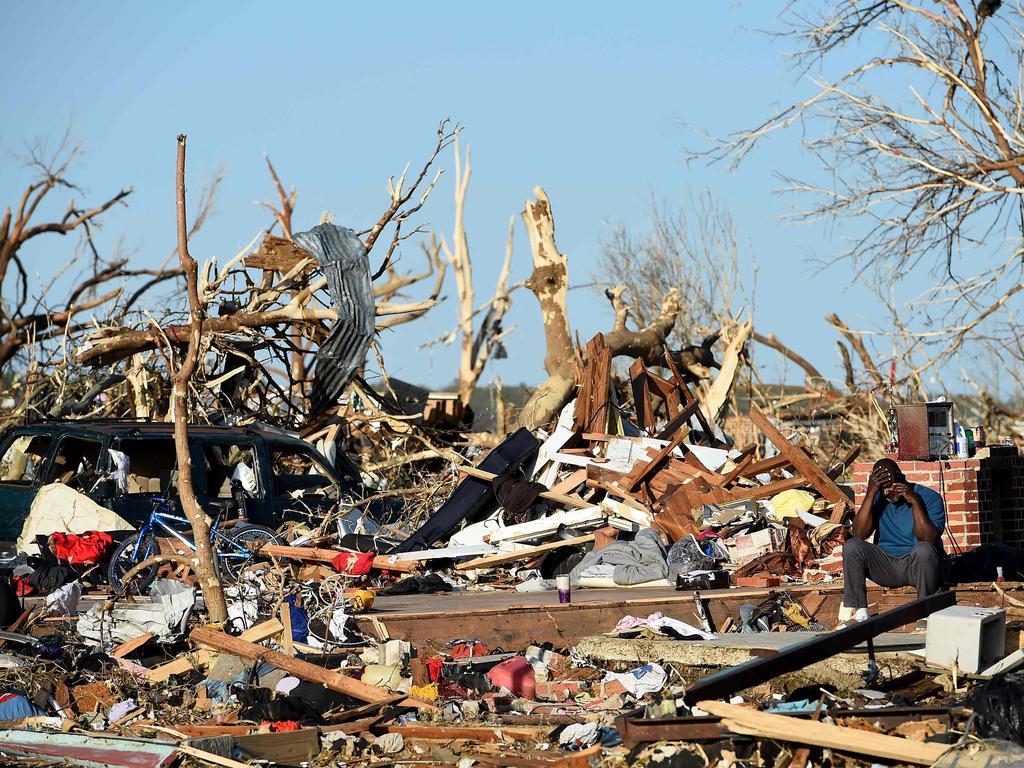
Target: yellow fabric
[791,503]
[362,600]
[425,692]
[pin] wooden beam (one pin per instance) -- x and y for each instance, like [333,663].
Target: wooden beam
[803,463]
[323,555]
[561,498]
[130,645]
[751,722]
[296,667]
[642,471]
[202,657]
[524,554]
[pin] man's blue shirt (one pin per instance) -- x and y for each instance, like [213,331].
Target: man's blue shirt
[896,521]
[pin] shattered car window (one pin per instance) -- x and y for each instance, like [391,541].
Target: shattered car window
[23,459]
[299,472]
[227,463]
[75,463]
[152,465]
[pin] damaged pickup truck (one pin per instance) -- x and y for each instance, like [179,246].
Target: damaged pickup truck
[123,465]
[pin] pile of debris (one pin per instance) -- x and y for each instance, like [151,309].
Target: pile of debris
[653,497]
[305,672]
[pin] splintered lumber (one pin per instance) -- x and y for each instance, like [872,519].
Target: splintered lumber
[591,414]
[297,667]
[522,554]
[202,657]
[751,722]
[473,732]
[323,555]
[804,464]
[799,655]
[130,645]
[643,470]
[561,498]
[577,478]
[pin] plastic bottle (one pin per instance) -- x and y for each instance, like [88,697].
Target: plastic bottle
[961,443]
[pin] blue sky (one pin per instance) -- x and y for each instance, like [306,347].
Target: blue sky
[591,101]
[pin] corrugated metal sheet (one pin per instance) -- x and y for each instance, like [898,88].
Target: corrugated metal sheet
[344,261]
[83,749]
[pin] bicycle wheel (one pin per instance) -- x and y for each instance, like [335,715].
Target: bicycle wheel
[129,554]
[240,548]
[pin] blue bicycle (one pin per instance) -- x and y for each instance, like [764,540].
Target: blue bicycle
[233,548]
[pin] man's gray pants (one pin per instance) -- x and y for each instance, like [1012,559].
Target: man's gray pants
[921,567]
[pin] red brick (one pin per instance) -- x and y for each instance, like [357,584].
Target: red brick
[611,688]
[761,582]
[562,690]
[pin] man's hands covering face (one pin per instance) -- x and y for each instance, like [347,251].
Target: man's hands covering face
[881,477]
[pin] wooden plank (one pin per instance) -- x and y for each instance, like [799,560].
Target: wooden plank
[742,462]
[592,401]
[202,657]
[643,470]
[680,420]
[300,669]
[561,498]
[803,463]
[473,733]
[510,557]
[575,479]
[323,555]
[770,489]
[767,465]
[684,390]
[750,722]
[130,645]
[641,395]
[287,641]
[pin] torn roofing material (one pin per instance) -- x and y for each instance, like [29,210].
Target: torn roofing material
[88,749]
[344,261]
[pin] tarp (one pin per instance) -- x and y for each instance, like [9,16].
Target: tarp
[57,507]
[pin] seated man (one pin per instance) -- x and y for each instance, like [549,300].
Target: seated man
[909,520]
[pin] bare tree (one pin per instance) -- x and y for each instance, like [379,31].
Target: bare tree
[479,344]
[920,140]
[205,563]
[693,249]
[549,282]
[273,306]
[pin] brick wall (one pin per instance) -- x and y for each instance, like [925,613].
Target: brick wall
[984,496]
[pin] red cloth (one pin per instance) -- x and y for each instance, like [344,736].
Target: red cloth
[465,649]
[277,726]
[21,585]
[81,548]
[353,563]
[434,668]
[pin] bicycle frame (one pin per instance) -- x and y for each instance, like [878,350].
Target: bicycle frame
[164,520]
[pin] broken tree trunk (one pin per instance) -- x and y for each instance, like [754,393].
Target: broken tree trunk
[549,282]
[713,400]
[205,565]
